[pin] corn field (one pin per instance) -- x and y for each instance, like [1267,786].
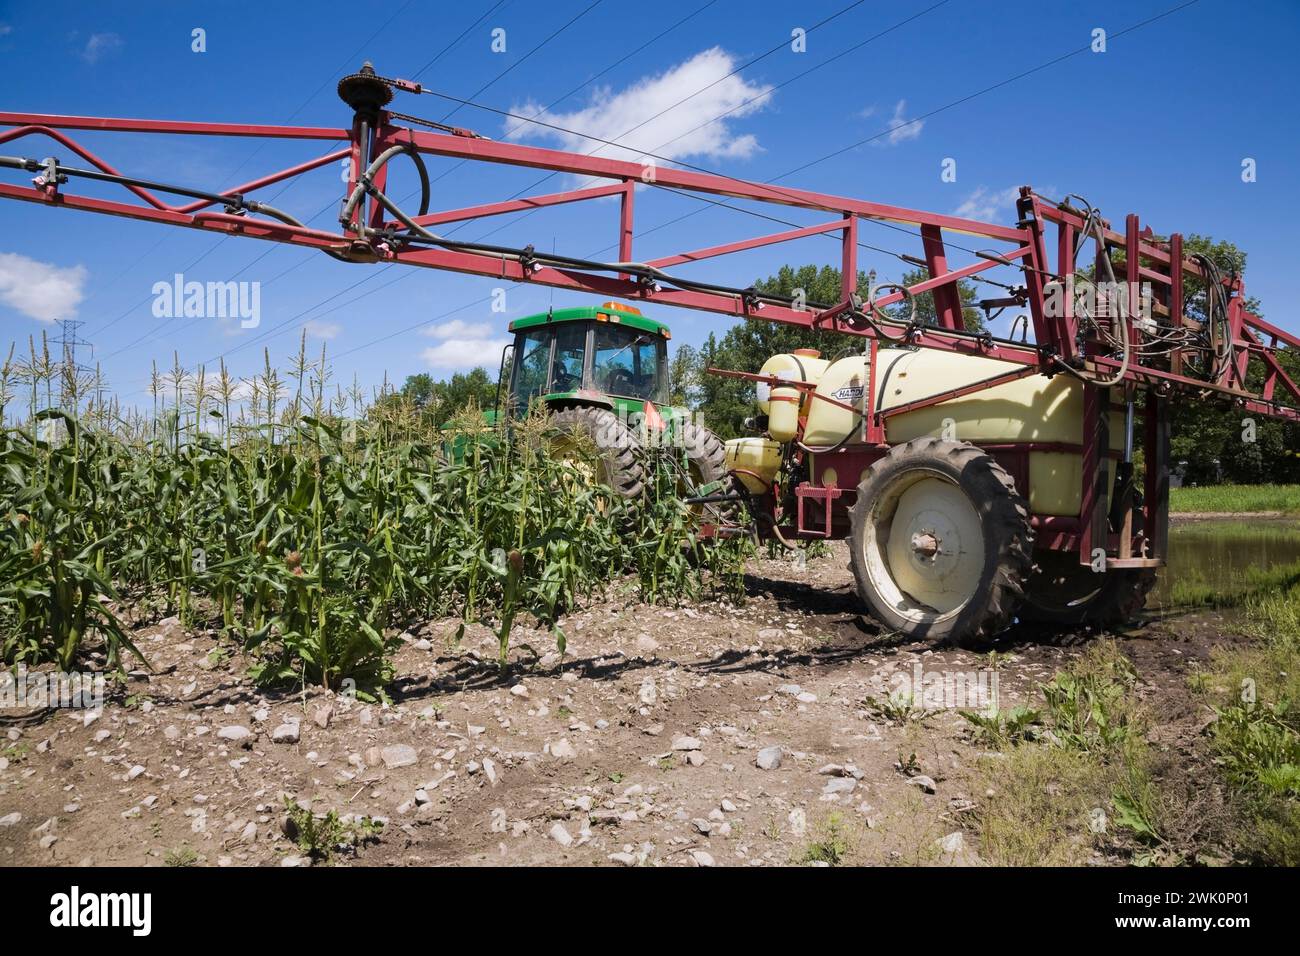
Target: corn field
[306,522]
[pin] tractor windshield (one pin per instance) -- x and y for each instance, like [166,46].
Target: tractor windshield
[627,362]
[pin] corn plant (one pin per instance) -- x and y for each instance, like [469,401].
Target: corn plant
[307,526]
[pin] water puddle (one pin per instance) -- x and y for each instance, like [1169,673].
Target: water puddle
[1217,561]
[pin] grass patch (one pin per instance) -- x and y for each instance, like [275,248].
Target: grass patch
[1082,778]
[1044,798]
[180,857]
[1235,498]
[833,844]
[1085,785]
[1255,738]
[322,836]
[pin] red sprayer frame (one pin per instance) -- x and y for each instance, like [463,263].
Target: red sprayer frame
[1062,342]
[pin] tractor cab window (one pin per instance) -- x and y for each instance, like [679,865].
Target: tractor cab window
[627,362]
[532,365]
[570,354]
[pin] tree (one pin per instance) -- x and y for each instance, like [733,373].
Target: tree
[1214,437]
[972,318]
[439,401]
[683,376]
[475,387]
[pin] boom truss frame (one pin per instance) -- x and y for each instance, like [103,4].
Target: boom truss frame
[1045,244]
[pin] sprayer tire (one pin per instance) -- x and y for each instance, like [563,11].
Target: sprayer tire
[619,463]
[1063,593]
[940,542]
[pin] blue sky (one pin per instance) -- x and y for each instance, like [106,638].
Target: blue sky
[1158,124]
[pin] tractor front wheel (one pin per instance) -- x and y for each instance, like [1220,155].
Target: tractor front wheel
[940,542]
[595,438]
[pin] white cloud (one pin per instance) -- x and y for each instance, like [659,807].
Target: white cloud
[459,354]
[323,330]
[460,329]
[609,114]
[463,345]
[986,204]
[40,290]
[101,45]
[900,127]
[5,29]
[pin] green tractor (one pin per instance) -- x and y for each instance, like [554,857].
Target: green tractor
[602,371]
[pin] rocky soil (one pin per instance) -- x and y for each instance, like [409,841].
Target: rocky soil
[707,735]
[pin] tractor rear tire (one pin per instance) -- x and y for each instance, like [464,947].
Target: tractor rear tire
[610,447]
[1063,593]
[940,542]
[706,461]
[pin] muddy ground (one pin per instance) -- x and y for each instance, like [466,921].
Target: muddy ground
[642,746]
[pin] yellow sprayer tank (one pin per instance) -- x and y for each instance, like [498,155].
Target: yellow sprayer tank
[784,405]
[755,461]
[1031,409]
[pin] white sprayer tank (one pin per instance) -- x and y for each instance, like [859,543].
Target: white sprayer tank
[1032,409]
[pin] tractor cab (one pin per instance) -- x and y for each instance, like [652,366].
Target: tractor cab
[608,355]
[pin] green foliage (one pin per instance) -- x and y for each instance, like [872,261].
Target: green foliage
[1259,746]
[1235,499]
[183,856]
[56,533]
[1206,432]
[322,836]
[1052,800]
[313,530]
[972,317]
[896,708]
[1255,737]
[1005,726]
[833,845]
[1088,706]
[1136,800]
[440,401]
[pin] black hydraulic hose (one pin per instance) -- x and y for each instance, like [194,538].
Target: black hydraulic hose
[826,450]
[1216,314]
[365,184]
[560,261]
[230,200]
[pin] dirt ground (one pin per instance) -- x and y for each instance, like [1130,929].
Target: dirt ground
[649,743]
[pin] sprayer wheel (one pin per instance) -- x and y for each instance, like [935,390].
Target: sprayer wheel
[1063,593]
[940,542]
[596,438]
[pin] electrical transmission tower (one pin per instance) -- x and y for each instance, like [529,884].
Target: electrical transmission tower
[70,371]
